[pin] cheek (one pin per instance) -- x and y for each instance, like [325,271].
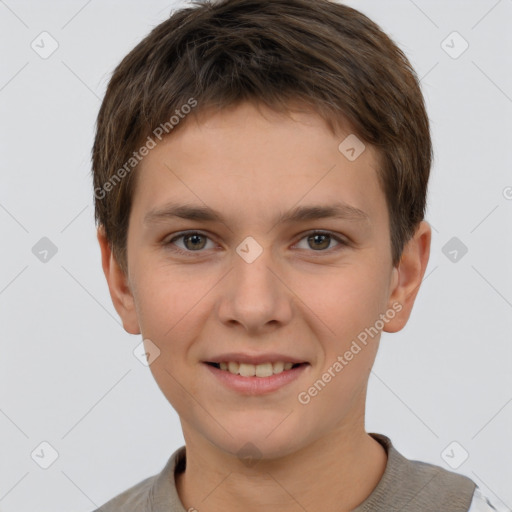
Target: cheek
[163,297]
[173,308]
[169,310]
[346,302]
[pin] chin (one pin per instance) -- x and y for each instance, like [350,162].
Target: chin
[254,438]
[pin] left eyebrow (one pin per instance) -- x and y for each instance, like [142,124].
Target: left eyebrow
[338,210]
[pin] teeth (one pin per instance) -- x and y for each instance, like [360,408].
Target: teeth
[258,370]
[279,367]
[248,370]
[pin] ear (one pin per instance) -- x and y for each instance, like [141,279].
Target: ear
[118,286]
[407,277]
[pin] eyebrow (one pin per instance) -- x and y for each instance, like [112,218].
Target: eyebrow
[339,210]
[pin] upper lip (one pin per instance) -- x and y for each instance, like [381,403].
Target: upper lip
[253,359]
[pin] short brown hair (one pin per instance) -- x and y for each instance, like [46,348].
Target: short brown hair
[326,56]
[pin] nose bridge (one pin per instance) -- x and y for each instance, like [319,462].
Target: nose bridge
[255,296]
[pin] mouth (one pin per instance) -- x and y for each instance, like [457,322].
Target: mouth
[255,370]
[256,379]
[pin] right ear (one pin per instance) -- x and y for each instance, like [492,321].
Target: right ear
[118,285]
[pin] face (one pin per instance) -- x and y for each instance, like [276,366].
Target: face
[256,268]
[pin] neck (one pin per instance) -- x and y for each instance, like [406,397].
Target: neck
[335,473]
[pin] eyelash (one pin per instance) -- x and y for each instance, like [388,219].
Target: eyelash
[169,244]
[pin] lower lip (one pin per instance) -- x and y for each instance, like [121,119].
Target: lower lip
[257,385]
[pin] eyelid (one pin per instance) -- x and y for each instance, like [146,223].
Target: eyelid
[334,236]
[177,236]
[341,241]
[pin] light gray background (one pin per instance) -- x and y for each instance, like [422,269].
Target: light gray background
[67,372]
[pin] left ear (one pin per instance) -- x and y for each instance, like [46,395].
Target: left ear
[407,277]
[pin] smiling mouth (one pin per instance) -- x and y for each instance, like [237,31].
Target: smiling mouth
[258,370]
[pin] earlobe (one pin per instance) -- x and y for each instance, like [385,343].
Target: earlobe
[408,276]
[118,285]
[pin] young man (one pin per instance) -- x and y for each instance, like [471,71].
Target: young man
[260,173]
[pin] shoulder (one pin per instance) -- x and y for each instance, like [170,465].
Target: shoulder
[480,503]
[155,493]
[136,498]
[416,485]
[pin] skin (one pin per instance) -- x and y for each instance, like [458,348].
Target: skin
[251,165]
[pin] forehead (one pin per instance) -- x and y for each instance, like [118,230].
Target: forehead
[258,162]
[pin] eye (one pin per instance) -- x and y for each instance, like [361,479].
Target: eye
[193,241]
[321,240]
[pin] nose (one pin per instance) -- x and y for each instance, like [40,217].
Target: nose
[254,295]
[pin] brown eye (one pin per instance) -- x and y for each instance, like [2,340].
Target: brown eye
[189,243]
[321,241]
[193,242]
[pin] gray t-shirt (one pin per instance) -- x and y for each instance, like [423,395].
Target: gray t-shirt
[406,485]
